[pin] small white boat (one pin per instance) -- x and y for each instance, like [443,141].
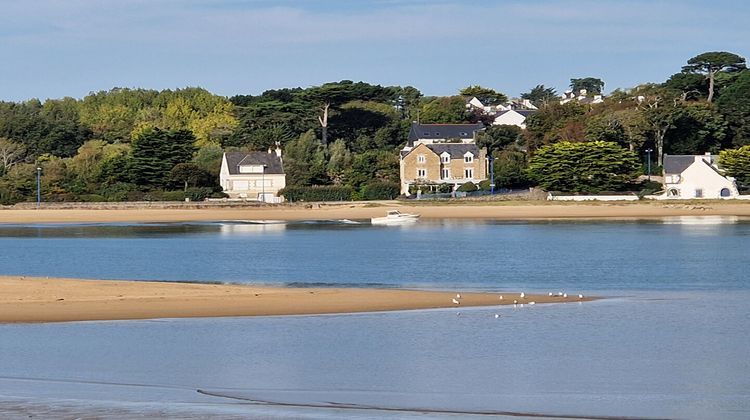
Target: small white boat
[395,217]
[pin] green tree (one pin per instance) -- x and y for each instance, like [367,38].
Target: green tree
[547,125]
[155,152]
[340,159]
[736,163]
[498,137]
[588,167]
[485,95]
[734,104]
[510,169]
[445,110]
[540,95]
[189,175]
[10,154]
[711,63]
[592,85]
[304,161]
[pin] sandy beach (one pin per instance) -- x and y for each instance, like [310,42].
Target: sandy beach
[497,210]
[30,299]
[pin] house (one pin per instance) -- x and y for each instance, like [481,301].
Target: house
[253,176]
[689,176]
[442,154]
[515,117]
[582,98]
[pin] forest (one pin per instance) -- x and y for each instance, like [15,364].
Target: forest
[139,144]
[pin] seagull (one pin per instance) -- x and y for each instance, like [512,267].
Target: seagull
[532,303]
[515,301]
[580,296]
[550,294]
[455,301]
[565,295]
[559,293]
[501,297]
[458,296]
[523,295]
[458,313]
[497,316]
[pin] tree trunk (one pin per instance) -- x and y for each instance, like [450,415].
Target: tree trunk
[711,85]
[186,185]
[324,125]
[660,133]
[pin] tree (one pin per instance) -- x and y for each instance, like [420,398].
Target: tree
[189,174]
[445,110]
[498,137]
[510,169]
[589,167]
[340,159]
[540,95]
[304,161]
[155,152]
[691,85]
[546,125]
[592,85]
[485,95]
[734,104]
[736,163]
[10,154]
[711,63]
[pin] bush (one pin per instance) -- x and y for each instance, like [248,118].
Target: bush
[445,188]
[91,198]
[173,196]
[485,185]
[318,193]
[118,191]
[467,187]
[380,191]
[198,193]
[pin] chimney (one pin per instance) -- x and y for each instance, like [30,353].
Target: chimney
[278,149]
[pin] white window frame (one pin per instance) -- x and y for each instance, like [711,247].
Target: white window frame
[468,157]
[469,173]
[445,173]
[421,159]
[445,159]
[421,173]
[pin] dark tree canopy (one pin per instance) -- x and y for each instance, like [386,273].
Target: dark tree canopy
[592,85]
[156,152]
[485,95]
[711,63]
[540,95]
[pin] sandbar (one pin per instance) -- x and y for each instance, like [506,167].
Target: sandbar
[332,211]
[35,299]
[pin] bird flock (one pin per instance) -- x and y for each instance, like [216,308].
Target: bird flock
[457,300]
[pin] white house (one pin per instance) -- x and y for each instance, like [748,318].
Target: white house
[515,117]
[582,97]
[689,176]
[253,176]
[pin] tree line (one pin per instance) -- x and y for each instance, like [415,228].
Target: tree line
[134,144]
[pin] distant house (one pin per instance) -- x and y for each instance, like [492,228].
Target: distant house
[696,176]
[442,154]
[513,117]
[253,176]
[582,97]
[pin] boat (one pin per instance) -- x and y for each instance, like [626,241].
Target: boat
[395,217]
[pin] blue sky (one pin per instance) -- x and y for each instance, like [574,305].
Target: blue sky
[57,48]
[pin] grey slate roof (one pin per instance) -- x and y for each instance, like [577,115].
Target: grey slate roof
[454,149]
[676,164]
[442,131]
[272,162]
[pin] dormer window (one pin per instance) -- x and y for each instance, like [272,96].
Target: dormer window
[469,157]
[445,158]
[421,159]
[250,169]
[464,134]
[437,133]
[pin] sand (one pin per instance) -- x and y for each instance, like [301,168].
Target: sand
[502,211]
[32,299]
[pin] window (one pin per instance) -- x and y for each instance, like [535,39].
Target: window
[468,158]
[251,169]
[421,173]
[698,193]
[445,173]
[469,173]
[421,159]
[445,159]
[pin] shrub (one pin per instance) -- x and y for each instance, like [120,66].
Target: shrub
[467,187]
[380,191]
[173,196]
[318,193]
[445,188]
[198,193]
[91,198]
[485,185]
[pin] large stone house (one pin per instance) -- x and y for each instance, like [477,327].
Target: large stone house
[696,176]
[253,176]
[442,154]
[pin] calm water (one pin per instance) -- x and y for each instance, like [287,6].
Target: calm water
[671,343]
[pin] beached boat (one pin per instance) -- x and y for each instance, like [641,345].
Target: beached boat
[395,217]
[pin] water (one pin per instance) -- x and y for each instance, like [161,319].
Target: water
[671,343]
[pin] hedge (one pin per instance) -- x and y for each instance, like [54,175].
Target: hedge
[318,193]
[380,191]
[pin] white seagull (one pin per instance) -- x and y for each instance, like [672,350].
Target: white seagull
[515,301]
[458,296]
[565,295]
[580,296]
[550,294]
[501,297]
[532,303]
[455,301]
[497,316]
[523,295]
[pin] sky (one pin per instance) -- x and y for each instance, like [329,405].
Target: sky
[58,48]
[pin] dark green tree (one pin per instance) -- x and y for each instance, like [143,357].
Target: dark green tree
[445,110]
[711,63]
[588,167]
[155,152]
[485,95]
[592,85]
[540,95]
[734,104]
[736,163]
[498,137]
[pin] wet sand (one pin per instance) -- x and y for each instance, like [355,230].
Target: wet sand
[501,211]
[33,299]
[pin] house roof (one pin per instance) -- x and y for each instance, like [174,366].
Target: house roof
[454,149]
[442,131]
[271,161]
[676,164]
[523,112]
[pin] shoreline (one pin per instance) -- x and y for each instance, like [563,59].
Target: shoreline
[43,300]
[359,210]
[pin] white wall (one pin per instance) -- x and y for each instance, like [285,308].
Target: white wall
[511,118]
[699,176]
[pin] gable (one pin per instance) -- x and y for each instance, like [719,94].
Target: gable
[241,163]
